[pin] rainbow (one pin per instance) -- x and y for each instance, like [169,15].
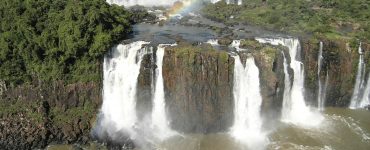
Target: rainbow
[177,7]
[183,6]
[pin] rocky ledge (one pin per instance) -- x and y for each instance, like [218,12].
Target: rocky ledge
[32,117]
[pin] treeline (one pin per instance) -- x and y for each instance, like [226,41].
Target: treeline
[331,18]
[45,40]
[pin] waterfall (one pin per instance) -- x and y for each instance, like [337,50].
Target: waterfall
[213,42]
[247,97]
[365,101]
[358,99]
[118,114]
[236,44]
[121,70]
[321,91]
[239,2]
[294,106]
[160,123]
[287,99]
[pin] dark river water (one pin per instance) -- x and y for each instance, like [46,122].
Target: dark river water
[342,129]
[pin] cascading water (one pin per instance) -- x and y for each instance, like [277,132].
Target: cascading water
[213,42]
[365,101]
[160,123]
[121,70]
[118,114]
[321,91]
[358,91]
[294,107]
[287,103]
[236,44]
[247,97]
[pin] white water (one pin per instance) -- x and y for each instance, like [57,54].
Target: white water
[294,109]
[213,42]
[121,71]
[358,92]
[247,97]
[236,44]
[321,91]
[160,123]
[365,101]
[287,88]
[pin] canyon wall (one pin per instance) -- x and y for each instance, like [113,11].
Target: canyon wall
[31,117]
[340,61]
[198,85]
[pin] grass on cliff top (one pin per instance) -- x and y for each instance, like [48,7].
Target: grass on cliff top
[186,50]
[332,18]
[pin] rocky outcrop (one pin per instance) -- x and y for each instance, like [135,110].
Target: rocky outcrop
[198,87]
[270,62]
[340,63]
[32,117]
[145,86]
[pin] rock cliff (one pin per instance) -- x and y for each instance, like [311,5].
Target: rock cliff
[198,85]
[31,117]
[340,63]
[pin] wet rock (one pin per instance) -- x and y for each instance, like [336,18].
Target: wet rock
[340,63]
[225,41]
[198,88]
[35,116]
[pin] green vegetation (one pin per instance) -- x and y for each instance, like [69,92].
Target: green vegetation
[22,109]
[44,40]
[190,52]
[61,117]
[329,18]
[250,44]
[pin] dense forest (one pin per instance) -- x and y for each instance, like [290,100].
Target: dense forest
[330,18]
[44,40]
